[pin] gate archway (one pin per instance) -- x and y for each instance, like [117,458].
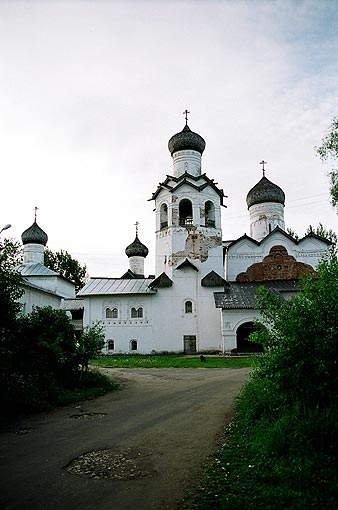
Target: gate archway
[242,335]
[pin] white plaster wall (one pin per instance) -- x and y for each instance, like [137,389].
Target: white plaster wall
[32,298]
[264,218]
[33,253]
[231,320]
[55,284]
[245,253]
[136,265]
[186,161]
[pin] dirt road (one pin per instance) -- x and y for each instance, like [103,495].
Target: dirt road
[139,448]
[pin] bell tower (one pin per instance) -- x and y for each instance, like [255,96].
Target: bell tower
[188,211]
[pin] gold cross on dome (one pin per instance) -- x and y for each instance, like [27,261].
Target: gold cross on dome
[263,163]
[186,116]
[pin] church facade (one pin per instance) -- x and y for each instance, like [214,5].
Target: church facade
[202,296]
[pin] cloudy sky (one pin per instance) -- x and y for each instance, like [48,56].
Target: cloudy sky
[91,92]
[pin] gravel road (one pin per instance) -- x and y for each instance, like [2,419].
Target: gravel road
[140,448]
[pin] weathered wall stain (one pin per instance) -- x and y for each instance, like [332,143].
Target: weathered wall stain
[197,246]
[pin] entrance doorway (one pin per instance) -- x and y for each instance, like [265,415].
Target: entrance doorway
[243,333]
[189,344]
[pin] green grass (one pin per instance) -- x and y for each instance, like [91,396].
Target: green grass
[173,361]
[93,385]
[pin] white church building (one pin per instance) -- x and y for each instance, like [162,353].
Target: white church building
[202,296]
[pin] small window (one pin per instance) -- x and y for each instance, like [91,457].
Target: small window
[109,313]
[164,216]
[188,307]
[133,345]
[115,313]
[111,345]
[136,313]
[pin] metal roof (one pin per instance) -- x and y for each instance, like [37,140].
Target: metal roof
[243,295]
[72,304]
[104,286]
[36,269]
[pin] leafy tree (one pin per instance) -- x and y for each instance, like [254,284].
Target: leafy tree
[90,343]
[10,291]
[329,150]
[292,233]
[323,232]
[63,263]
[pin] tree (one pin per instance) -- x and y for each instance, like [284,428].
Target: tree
[329,150]
[63,263]
[10,291]
[323,232]
[90,343]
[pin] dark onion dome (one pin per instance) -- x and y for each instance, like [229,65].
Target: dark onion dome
[34,234]
[265,191]
[186,140]
[137,249]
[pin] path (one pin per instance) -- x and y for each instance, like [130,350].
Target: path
[145,444]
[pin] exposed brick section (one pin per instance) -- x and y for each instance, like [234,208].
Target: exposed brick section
[278,265]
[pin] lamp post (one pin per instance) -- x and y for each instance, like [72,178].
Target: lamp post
[5,227]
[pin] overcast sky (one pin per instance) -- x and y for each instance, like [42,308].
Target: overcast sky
[91,92]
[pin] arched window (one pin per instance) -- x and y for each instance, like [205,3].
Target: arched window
[111,345]
[188,307]
[115,313]
[185,212]
[133,345]
[136,313]
[209,214]
[109,313]
[164,216]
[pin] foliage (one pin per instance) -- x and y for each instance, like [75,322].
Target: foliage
[174,361]
[329,150]
[281,449]
[10,291]
[63,263]
[90,343]
[323,232]
[292,233]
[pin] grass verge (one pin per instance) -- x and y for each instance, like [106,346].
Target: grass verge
[173,361]
[93,384]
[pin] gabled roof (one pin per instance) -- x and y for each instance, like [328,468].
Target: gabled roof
[129,275]
[238,296]
[108,286]
[161,282]
[213,279]
[280,230]
[186,178]
[72,304]
[187,263]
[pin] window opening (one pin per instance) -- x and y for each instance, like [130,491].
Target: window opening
[185,212]
[111,345]
[136,313]
[164,216]
[210,214]
[109,313]
[188,307]
[133,345]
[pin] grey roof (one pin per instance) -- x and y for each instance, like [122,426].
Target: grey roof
[239,296]
[26,283]
[35,269]
[72,304]
[106,286]
[186,140]
[265,191]
[34,234]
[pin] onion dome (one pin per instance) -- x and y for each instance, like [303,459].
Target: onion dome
[137,249]
[186,140]
[265,191]
[34,234]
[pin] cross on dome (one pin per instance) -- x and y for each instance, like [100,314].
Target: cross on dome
[186,116]
[35,213]
[136,227]
[263,163]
